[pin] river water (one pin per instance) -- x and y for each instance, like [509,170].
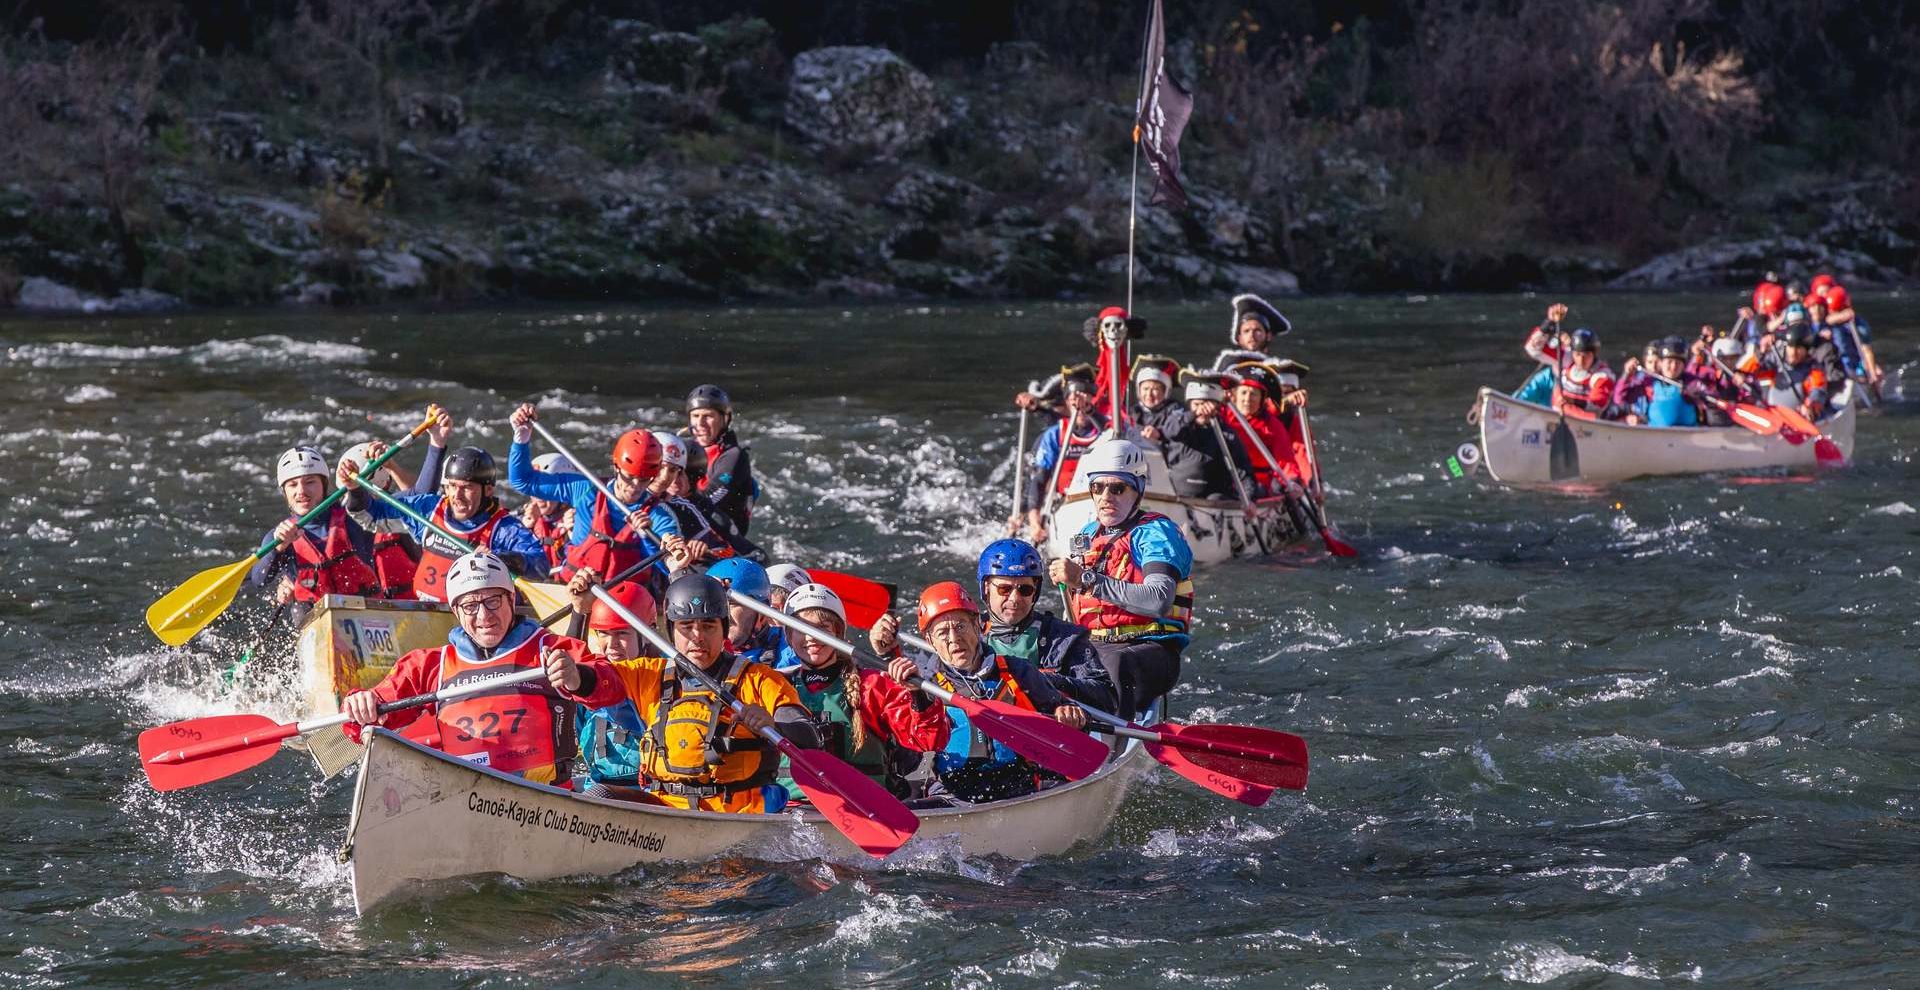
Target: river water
[1654,734]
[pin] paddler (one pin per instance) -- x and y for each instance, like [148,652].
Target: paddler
[1646,400]
[603,538]
[396,555]
[973,767]
[785,578]
[751,635]
[1798,380]
[1059,448]
[1851,336]
[1197,463]
[525,729]
[610,737]
[1155,413]
[550,522]
[1010,572]
[709,534]
[1585,381]
[1131,574]
[464,506]
[1256,323]
[728,482]
[1255,386]
[696,752]
[332,555]
[868,719]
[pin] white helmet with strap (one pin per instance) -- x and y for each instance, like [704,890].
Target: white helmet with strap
[360,458]
[1118,457]
[551,463]
[1200,388]
[812,595]
[477,571]
[788,576]
[298,463]
[673,450]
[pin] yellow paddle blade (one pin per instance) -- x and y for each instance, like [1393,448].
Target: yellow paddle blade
[546,597]
[180,614]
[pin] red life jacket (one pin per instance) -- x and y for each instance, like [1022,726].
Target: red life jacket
[394,565]
[607,549]
[437,553]
[1112,555]
[1592,387]
[552,533]
[522,729]
[333,569]
[1271,433]
[1074,446]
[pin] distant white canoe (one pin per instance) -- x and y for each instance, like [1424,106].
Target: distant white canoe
[421,818]
[1216,529]
[1515,438]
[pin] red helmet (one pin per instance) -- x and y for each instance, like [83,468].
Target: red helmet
[1113,311]
[939,599]
[1819,284]
[1837,297]
[1770,298]
[637,454]
[633,597]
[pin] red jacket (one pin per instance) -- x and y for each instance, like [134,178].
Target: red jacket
[887,707]
[418,672]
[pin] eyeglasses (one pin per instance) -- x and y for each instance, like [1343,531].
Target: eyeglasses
[1014,590]
[472,607]
[627,479]
[1113,489]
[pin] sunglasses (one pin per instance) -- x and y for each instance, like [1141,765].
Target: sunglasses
[1017,590]
[1113,489]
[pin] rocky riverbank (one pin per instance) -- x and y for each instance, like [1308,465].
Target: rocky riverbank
[653,163]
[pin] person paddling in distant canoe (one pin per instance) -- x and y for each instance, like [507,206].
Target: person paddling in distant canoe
[464,506]
[1664,397]
[1256,324]
[1851,337]
[605,537]
[1254,389]
[1585,380]
[1197,463]
[1131,574]
[1798,380]
[869,720]
[697,752]
[1059,449]
[524,729]
[728,483]
[682,463]
[1156,413]
[332,555]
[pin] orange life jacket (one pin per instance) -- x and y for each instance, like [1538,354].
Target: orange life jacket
[523,729]
[1112,555]
[332,569]
[437,553]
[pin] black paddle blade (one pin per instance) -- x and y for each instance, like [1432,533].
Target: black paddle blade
[1563,456]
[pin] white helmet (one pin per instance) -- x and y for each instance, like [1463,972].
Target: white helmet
[298,463]
[673,450]
[1122,458]
[1153,373]
[477,571]
[812,595]
[554,464]
[1727,348]
[789,577]
[1210,391]
[1287,379]
[360,458]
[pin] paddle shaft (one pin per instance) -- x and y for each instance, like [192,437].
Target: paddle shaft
[372,468]
[858,656]
[217,747]
[600,486]
[1108,717]
[1239,483]
[1020,463]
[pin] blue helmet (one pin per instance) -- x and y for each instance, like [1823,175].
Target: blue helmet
[744,576]
[1010,558]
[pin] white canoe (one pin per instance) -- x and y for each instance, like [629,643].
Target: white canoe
[1515,437]
[1215,529]
[421,818]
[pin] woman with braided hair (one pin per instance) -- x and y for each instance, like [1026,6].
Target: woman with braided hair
[865,717]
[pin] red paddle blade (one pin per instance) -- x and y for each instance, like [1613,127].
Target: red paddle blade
[170,741]
[1827,453]
[1060,748]
[1794,420]
[862,810]
[1244,791]
[1337,546]
[1262,757]
[866,601]
[1756,419]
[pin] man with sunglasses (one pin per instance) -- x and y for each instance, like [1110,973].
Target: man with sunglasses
[1132,578]
[524,729]
[603,538]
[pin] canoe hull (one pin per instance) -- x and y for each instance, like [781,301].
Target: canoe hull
[421,818]
[1515,438]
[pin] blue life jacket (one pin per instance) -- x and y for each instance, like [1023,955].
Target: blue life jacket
[765,646]
[1668,406]
[610,744]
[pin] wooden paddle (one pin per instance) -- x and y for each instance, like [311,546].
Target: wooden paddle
[202,750]
[863,811]
[180,614]
[1039,737]
[544,598]
[1242,762]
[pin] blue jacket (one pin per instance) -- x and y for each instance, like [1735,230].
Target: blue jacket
[579,492]
[1537,389]
[512,540]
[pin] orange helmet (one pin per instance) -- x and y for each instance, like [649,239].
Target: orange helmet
[632,596]
[1770,298]
[637,454]
[1837,297]
[939,599]
[1819,284]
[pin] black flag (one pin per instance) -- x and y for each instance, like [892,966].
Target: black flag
[1160,117]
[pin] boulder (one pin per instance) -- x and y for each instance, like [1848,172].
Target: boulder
[47,296]
[643,53]
[860,99]
[1724,263]
[932,195]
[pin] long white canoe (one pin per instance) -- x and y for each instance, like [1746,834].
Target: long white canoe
[1216,529]
[421,818]
[1515,438]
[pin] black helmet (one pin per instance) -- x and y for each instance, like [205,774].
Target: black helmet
[1672,347]
[709,397]
[694,596]
[1585,340]
[1800,335]
[1078,381]
[469,464]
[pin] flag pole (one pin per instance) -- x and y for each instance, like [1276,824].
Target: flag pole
[1133,206]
